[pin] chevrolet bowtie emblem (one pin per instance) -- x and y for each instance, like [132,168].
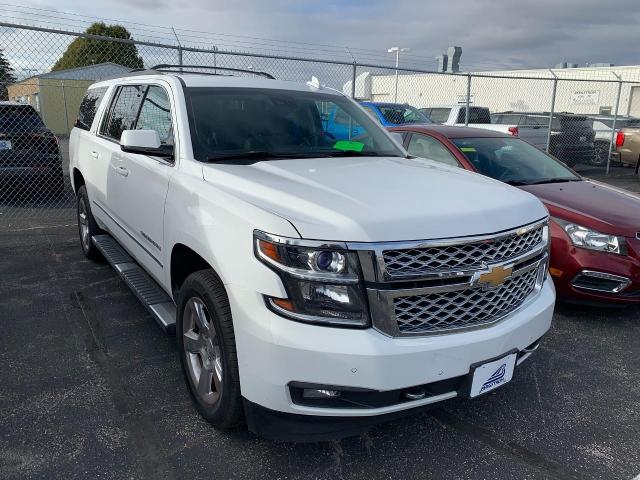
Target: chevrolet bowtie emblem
[494,277]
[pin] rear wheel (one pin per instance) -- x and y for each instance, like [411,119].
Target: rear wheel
[207,348]
[87,226]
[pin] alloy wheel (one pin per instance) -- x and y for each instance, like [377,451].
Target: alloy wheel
[202,351]
[83,223]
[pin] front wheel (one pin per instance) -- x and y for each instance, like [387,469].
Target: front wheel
[87,226]
[207,348]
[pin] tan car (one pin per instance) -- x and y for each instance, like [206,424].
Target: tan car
[628,145]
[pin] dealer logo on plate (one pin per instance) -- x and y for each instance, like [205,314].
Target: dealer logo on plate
[495,379]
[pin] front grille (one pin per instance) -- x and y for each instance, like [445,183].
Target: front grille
[466,256]
[466,308]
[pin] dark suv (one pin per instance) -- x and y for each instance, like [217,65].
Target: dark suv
[30,161]
[572,136]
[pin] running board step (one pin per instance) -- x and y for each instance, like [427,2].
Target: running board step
[152,296]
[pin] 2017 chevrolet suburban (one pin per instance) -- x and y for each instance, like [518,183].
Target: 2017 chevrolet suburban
[315,285]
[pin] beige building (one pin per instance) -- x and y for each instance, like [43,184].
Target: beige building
[57,95]
[521,91]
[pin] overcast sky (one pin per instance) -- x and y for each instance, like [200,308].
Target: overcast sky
[493,34]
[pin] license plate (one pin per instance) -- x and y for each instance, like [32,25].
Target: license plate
[491,375]
[5,145]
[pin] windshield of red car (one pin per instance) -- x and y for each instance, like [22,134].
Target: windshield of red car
[513,161]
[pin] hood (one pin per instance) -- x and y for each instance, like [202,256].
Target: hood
[373,199]
[592,204]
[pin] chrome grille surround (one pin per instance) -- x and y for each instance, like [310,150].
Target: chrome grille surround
[448,300]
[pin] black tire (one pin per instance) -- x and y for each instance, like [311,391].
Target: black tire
[600,153]
[84,206]
[224,411]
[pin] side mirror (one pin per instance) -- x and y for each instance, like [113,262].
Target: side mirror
[144,142]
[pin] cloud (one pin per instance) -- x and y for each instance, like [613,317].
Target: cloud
[493,34]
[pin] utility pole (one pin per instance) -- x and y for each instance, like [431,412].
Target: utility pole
[397,51]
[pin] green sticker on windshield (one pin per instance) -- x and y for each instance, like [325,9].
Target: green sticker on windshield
[348,146]
[468,149]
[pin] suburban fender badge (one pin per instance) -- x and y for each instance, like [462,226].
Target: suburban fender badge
[495,277]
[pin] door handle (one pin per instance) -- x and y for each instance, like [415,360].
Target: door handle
[121,171]
[94,154]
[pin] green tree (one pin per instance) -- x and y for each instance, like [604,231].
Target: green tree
[87,51]
[7,76]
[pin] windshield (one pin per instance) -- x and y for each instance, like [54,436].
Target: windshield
[399,114]
[262,123]
[19,118]
[513,161]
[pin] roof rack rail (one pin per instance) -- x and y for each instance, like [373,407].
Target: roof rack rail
[166,67]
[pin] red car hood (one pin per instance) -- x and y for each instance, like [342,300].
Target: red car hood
[592,204]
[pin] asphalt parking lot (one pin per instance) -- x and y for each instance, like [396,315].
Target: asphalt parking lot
[91,388]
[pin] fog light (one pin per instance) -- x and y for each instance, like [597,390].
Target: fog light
[313,393]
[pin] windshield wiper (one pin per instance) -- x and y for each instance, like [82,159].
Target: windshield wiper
[553,180]
[253,156]
[353,153]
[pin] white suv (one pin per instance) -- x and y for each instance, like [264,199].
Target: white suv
[315,282]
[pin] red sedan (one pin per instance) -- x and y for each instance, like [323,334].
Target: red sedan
[595,228]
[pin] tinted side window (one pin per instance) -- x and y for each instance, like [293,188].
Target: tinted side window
[123,112]
[155,114]
[89,107]
[429,147]
[476,115]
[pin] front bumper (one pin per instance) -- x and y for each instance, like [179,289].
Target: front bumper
[568,264]
[274,351]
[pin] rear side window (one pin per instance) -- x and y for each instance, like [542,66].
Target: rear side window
[89,107]
[19,118]
[123,112]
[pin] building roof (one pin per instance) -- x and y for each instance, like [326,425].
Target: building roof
[95,72]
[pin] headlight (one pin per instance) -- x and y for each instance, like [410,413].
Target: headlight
[323,284]
[586,238]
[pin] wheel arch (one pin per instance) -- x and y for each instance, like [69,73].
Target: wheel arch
[185,261]
[78,179]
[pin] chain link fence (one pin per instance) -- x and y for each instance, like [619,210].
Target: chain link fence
[586,119]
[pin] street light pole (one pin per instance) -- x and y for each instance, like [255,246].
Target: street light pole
[397,51]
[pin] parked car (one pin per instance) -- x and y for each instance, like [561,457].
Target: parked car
[628,144]
[30,160]
[572,136]
[603,126]
[480,117]
[339,125]
[595,228]
[389,114]
[315,286]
